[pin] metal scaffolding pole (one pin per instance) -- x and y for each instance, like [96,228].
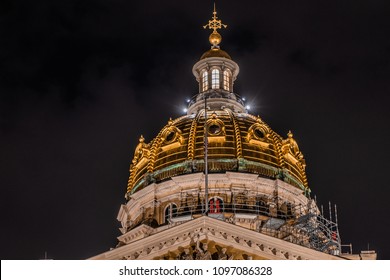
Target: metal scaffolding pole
[206,171]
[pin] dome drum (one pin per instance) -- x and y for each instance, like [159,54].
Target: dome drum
[234,197]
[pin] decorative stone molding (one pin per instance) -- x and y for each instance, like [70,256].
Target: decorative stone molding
[170,243]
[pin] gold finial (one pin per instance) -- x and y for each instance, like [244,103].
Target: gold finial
[215,38]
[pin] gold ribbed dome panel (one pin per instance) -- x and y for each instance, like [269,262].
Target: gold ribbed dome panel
[236,142]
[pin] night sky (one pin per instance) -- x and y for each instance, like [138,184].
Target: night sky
[80,81]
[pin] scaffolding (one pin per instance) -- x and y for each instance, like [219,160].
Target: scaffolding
[303,225]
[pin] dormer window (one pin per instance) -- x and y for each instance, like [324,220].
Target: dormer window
[205,80]
[215,79]
[226,80]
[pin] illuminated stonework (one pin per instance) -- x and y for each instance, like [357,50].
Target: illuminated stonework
[183,242]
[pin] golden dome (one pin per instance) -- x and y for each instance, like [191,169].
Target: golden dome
[215,52]
[237,142]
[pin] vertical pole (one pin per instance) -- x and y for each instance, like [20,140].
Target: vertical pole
[170,213]
[337,226]
[330,212]
[206,171]
[276,195]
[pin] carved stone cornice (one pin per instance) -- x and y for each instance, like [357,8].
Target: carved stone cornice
[207,229]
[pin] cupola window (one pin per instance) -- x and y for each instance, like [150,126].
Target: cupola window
[226,80]
[215,79]
[205,81]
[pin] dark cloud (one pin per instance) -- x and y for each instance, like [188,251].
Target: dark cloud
[81,80]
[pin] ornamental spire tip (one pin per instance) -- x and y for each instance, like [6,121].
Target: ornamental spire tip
[215,24]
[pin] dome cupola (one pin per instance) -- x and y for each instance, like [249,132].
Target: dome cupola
[216,72]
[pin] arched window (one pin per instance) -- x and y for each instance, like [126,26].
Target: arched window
[205,81]
[215,205]
[170,211]
[262,207]
[215,79]
[226,80]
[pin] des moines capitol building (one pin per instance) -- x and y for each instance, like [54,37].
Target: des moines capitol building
[219,183]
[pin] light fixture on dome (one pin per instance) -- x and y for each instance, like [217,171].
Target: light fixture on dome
[188,100]
[243,99]
[247,107]
[185,110]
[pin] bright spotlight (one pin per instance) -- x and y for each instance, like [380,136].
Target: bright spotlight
[248,107]
[188,100]
[185,110]
[243,99]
